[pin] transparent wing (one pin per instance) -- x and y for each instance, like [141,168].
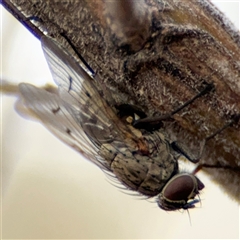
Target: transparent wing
[53,114]
[81,97]
[77,113]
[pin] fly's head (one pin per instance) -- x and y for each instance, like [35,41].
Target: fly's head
[180,192]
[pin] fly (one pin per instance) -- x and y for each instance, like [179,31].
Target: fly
[120,144]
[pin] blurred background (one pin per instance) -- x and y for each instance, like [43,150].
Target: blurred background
[49,191]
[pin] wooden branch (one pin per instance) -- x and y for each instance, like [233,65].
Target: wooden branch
[176,47]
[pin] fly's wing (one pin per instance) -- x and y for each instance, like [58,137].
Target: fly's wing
[48,108]
[81,97]
[78,115]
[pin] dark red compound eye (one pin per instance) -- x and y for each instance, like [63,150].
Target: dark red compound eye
[178,191]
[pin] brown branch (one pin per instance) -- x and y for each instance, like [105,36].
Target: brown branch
[182,45]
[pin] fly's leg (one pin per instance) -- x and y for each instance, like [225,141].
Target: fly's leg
[235,120]
[181,149]
[140,120]
[205,165]
[153,123]
[195,159]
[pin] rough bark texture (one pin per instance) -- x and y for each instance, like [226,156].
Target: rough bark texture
[157,55]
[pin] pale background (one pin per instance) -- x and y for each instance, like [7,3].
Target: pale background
[50,192]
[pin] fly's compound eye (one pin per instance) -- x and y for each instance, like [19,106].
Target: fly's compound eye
[179,192]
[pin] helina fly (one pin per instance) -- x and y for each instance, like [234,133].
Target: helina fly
[142,160]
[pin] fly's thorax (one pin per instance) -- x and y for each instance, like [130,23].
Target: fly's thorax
[179,192]
[145,173]
[120,146]
[109,151]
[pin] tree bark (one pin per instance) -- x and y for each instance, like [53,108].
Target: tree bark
[157,55]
